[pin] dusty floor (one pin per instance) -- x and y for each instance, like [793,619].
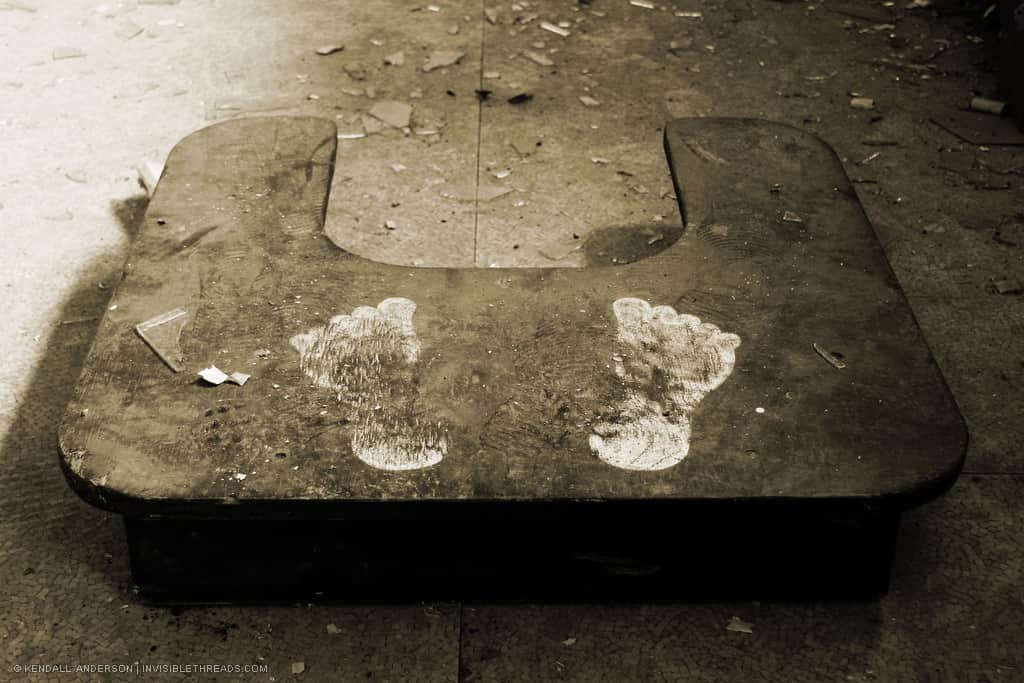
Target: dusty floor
[91,91]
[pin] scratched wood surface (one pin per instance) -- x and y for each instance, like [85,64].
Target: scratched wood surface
[698,373]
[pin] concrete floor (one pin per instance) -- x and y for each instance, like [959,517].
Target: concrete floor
[74,129]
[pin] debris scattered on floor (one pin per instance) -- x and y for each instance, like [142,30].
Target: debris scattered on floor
[862,103]
[213,375]
[482,94]
[642,3]
[239,378]
[520,98]
[390,224]
[298,667]
[1007,286]
[67,52]
[539,58]
[355,70]
[524,146]
[987,106]
[127,30]
[600,160]
[487,193]
[559,251]
[737,625]
[76,321]
[77,176]
[442,58]
[568,642]
[589,101]
[18,5]
[395,59]
[492,75]
[453,30]
[262,353]
[332,629]
[149,174]
[832,359]
[393,113]
[355,135]
[398,168]
[370,124]
[162,333]
[492,15]
[325,50]
[240,476]
[792,217]
[554,28]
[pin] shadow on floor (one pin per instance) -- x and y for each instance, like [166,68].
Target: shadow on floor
[49,534]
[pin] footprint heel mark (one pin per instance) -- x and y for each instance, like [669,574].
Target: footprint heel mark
[368,360]
[668,362]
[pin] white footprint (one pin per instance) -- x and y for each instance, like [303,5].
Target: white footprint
[368,360]
[668,361]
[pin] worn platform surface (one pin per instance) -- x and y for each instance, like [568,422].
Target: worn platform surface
[695,373]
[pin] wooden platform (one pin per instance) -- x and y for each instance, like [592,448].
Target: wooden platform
[765,360]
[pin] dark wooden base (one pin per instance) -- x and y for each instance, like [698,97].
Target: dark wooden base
[606,553]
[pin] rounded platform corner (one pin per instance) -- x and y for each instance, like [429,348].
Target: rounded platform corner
[72,464]
[272,136]
[248,128]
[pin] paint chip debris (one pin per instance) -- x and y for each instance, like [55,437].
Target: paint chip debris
[553,28]
[332,629]
[642,3]
[737,625]
[488,193]
[589,101]
[395,59]
[67,52]
[298,667]
[127,30]
[792,217]
[239,378]
[394,114]
[539,58]
[325,50]
[862,103]
[442,58]
[213,375]
[831,358]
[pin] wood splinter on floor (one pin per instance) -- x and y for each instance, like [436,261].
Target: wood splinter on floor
[829,357]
